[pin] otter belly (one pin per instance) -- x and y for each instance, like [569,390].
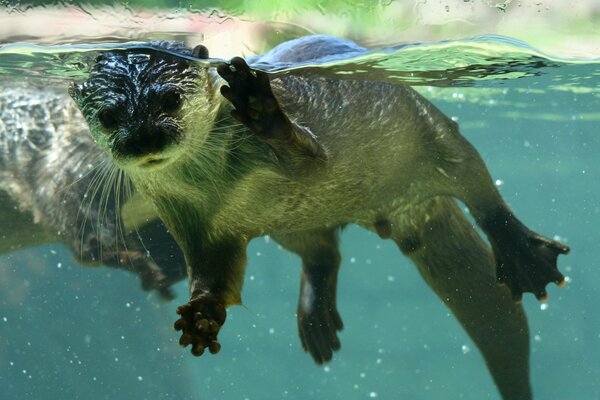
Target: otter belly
[267,203]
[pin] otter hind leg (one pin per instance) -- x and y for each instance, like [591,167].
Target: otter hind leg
[318,318]
[526,261]
[459,267]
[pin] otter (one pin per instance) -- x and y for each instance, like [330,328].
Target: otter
[231,153]
[52,190]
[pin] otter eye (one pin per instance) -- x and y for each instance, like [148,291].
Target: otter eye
[171,100]
[108,118]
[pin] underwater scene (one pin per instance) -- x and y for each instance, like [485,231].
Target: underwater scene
[91,278]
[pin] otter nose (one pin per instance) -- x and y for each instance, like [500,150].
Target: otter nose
[143,140]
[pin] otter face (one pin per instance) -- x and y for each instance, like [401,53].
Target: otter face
[143,106]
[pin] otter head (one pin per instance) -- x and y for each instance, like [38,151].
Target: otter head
[143,106]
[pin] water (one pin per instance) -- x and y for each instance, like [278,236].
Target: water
[91,333]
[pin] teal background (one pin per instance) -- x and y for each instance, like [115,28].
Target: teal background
[80,333]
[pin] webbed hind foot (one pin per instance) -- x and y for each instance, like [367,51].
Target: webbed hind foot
[319,322]
[525,260]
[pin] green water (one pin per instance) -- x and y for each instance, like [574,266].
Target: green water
[68,332]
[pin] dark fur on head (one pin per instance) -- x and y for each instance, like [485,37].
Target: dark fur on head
[134,100]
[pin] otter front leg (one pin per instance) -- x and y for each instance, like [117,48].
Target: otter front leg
[525,260]
[216,273]
[249,91]
[318,318]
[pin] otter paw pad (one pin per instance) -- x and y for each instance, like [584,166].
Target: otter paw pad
[256,107]
[200,322]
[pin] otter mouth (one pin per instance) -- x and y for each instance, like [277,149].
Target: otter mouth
[153,161]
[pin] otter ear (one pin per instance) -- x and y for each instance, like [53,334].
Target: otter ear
[200,51]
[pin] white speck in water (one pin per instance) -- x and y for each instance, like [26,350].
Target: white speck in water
[378,361]
[24,371]
[526,143]
[53,252]
[158,349]
[127,305]
[465,349]
[251,277]
[362,375]
[544,306]
[373,395]
[567,279]
[5,319]
[499,182]
[557,238]
[453,118]
[94,378]
[352,260]
[537,338]
[12,364]
[122,337]
[369,261]
[59,265]
[140,378]
[492,102]
[87,339]
[116,359]
[258,253]
[327,368]
[271,331]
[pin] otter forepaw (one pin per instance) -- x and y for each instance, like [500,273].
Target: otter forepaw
[200,322]
[318,324]
[249,91]
[526,262]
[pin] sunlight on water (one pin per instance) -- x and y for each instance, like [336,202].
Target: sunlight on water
[482,61]
[484,68]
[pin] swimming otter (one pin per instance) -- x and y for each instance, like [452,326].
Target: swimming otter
[309,156]
[52,190]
